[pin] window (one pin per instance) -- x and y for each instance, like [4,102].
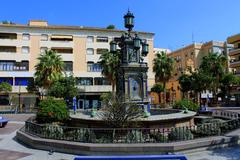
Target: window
[44,37]
[43,49]
[94,67]
[8,36]
[6,79]
[90,51]
[68,66]
[90,39]
[14,66]
[102,50]
[8,49]
[25,49]
[102,39]
[63,50]
[238,45]
[101,81]
[85,81]
[21,81]
[6,65]
[26,36]
[217,50]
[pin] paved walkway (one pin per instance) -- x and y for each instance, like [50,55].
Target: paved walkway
[10,149]
[231,153]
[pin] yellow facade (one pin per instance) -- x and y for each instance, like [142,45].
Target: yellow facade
[235,53]
[79,47]
[191,56]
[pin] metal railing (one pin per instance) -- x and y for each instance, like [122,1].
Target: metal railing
[130,135]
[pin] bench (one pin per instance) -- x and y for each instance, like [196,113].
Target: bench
[132,157]
[3,122]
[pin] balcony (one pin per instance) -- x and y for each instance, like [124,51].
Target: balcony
[62,50]
[234,51]
[8,35]
[67,57]
[13,56]
[234,64]
[98,45]
[14,66]
[92,58]
[50,44]
[96,88]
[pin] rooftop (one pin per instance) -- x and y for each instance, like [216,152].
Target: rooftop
[41,24]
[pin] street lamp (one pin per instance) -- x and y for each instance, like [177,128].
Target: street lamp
[131,77]
[128,20]
[19,96]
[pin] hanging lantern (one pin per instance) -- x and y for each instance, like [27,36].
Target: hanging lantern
[113,47]
[128,20]
[145,49]
[137,42]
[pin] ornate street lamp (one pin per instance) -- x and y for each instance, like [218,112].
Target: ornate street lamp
[129,20]
[131,77]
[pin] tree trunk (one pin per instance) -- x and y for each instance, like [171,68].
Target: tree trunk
[113,87]
[164,95]
[159,97]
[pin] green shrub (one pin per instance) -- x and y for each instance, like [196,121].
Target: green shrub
[186,104]
[179,134]
[134,136]
[207,129]
[158,137]
[51,110]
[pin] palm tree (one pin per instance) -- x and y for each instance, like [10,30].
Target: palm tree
[163,67]
[48,69]
[110,64]
[215,66]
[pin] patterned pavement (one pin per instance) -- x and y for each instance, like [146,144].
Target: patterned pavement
[12,150]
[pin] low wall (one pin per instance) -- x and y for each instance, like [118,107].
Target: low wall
[126,148]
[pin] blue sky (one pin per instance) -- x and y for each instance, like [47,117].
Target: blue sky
[174,22]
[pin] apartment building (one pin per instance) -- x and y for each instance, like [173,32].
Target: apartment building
[234,54]
[191,56]
[80,48]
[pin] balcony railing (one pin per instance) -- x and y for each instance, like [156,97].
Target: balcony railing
[234,51]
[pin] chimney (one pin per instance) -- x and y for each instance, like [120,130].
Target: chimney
[37,23]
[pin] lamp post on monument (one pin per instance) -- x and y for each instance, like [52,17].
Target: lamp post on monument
[131,76]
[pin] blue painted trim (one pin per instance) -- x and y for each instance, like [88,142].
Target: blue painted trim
[133,157]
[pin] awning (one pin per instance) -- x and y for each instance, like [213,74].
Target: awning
[61,37]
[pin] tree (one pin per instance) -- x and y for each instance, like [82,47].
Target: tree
[32,87]
[214,65]
[185,81]
[200,82]
[157,88]
[163,67]
[64,88]
[5,87]
[110,63]
[7,22]
[228,80]
[48,69]
[119,114]
[111,26]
